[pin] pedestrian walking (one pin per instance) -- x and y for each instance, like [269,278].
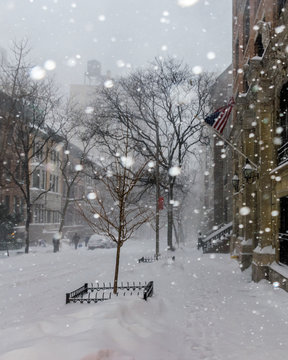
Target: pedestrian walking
[200,241]
[76,239]
[86,240]
[56,242]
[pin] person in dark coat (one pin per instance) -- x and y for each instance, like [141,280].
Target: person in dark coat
[86,240]
[76,239]
[200,241]
[56,242]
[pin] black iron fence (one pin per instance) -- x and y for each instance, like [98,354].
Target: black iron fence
[148,290]
[95,293]
[149,259]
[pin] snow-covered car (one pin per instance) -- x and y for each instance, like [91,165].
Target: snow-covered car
[100,242]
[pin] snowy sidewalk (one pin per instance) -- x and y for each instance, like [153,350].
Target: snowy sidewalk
[203,308]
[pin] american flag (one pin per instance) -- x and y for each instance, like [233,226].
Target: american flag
[218,119]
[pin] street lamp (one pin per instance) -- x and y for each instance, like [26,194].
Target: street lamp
[235,182]
[249,173]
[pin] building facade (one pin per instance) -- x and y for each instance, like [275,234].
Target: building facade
[45,174]
[217,182]
[260,133]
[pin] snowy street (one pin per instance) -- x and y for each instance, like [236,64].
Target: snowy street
[203,308]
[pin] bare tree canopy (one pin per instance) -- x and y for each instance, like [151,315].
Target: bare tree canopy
[112,208]
[29,121]
[162,106]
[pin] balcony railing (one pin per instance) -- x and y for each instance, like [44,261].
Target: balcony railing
[283,154]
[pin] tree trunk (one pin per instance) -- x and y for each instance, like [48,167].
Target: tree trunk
[120,231]
[63,213]
[170,216]
[27,227]
[116,273]
[28,206]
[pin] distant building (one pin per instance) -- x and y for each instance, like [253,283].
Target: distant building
[218,164]
[83,94]
[47,186]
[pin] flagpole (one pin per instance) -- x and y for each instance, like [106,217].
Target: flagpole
[233,146]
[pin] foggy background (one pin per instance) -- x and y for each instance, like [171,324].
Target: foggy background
[121,34]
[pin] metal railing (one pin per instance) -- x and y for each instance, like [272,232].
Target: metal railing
[215,237]
[148,290]
[96,293]
[283,154]
[149,259]
[283,236]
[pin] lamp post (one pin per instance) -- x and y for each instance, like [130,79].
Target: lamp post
[249,173]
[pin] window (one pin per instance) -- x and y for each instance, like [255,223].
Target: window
[43,179]
[246,24]
[283,237]
[54,183]
[56,217]
[258,46]
[38,213]
[7,203]
[38,151]
[280,6]
[49,216]
[8,169]
[55,156]
[15,204]
[18,171]
[284,112]
[21,208]
[10,135]
[35,214]
[237,54]
[283,122]
[36,178]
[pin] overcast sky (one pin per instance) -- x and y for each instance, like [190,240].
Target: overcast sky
[119,33]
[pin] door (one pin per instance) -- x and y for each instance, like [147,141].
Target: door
[283,233]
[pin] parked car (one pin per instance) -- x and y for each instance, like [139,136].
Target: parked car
[100,242]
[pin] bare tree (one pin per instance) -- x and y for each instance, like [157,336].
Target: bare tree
[28,117]
[75,158]
[113,208]
[162,106]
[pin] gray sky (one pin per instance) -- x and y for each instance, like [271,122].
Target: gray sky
[119,33]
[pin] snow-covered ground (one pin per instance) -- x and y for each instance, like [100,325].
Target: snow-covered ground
[203,308]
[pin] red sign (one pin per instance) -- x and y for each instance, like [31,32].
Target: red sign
[161,203]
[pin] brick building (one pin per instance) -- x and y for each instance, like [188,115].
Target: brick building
[46,188]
